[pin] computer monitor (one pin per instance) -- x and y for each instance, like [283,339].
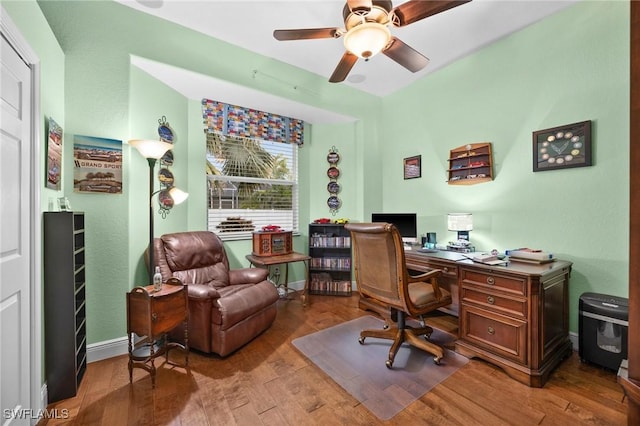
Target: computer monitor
[406,223]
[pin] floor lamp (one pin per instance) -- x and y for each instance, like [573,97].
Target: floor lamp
[152,150]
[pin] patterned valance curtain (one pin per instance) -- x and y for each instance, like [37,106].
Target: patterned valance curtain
[234,120]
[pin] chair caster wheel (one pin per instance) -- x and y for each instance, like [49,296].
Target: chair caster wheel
[436,360]
[361,340]
[389,364]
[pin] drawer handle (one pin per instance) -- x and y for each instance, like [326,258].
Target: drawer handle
[491,330]
[491,300]
[445,269]
[491,280]
[154,316]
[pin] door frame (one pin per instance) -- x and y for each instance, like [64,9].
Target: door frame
[37,390]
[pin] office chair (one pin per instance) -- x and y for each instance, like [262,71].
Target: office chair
[381,274]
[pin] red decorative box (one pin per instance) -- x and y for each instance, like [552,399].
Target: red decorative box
[272,243]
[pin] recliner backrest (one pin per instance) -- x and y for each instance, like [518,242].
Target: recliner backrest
[196,257]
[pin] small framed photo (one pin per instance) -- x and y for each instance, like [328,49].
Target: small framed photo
[412,167]
[562,147]
[63,204]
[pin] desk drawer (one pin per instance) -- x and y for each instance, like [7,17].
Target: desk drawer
[511,284]
[422,263]
[506,305]
[447,268]
[499,334]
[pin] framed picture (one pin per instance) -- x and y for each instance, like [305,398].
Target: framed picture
[412,167]
[63,204]
[54,155]
[562,147]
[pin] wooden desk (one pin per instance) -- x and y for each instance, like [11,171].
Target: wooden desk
[514,316]
[286,259]
[151,315]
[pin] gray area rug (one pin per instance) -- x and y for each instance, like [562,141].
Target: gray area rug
[361,371]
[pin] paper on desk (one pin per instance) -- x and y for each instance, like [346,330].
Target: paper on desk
[485,259]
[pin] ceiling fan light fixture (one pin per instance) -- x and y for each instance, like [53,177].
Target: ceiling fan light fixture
[367,39]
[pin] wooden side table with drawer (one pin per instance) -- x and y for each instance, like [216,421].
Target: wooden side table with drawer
[150,316]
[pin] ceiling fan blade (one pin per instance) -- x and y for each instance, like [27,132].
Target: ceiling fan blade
[406,55]
[306,33]
[344,66]
[415,10]
[360,6]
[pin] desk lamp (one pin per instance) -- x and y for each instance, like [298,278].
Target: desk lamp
[461,222]
[153,150]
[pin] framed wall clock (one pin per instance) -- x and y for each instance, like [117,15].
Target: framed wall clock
[562,147]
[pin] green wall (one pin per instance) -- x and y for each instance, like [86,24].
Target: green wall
[108,97]
[538,78]
[541,77]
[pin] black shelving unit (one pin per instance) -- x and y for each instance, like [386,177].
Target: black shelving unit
[330,264]
[64,303]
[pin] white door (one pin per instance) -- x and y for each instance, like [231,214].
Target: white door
[15,185]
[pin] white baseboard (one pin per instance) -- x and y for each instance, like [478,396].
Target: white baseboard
[574,340]
[107,349]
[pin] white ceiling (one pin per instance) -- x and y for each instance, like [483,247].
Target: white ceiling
[443,38]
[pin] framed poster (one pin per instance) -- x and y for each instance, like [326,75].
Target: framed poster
[412,167]
[98,165]
[562,147]
[54,155]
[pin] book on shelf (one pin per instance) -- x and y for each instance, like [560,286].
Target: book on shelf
[330,241]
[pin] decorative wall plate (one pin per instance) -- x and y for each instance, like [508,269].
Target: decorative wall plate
[333,187]
[333,157]
[165,177]
[333,202]
[333,172]
[167,158]
[165,200]
[164,130]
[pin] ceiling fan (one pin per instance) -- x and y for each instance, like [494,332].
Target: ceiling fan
[367,32]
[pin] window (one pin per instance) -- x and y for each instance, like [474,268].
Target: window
[251,183]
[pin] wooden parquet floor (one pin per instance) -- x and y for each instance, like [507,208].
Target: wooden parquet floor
[268,382]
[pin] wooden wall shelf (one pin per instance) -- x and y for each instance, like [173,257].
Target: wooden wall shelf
[470,164]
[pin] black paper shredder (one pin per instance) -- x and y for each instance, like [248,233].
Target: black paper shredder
[603,329]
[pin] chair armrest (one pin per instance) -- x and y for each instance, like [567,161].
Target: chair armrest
[247,275]
[431,277]
[201,291]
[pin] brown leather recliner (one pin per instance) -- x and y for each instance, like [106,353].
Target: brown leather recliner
[227,308]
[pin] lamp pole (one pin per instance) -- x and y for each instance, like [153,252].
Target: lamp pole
[152,165]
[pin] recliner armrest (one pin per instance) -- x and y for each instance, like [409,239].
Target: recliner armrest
[201,291]
[247,275]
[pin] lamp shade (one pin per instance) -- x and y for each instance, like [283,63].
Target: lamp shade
[178,195]
[367,39]
[149,148]
[460,222]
